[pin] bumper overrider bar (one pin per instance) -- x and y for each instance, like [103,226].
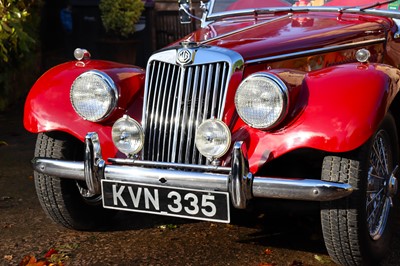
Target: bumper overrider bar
[237,179]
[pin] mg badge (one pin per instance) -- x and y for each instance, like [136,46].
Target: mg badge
[185,56]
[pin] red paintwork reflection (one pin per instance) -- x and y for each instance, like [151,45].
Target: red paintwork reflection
[48,105]
[244,4]
[343,106]
[354,3]
[291,34]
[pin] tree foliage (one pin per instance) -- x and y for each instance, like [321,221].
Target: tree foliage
[19,50]
[15,39]
[119,16]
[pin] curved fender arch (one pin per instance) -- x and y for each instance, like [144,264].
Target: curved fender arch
[342,107]
[48,107]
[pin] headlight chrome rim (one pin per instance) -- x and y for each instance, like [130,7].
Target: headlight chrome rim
[226,131]
[134,124]
[283,91]
[112,91]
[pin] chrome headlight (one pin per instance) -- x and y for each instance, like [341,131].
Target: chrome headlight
[261,100]
[93,95]
[213,138]
[127,135]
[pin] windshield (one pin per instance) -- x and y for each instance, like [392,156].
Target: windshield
[229,5]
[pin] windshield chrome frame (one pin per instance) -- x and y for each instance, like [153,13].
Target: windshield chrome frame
[209,16]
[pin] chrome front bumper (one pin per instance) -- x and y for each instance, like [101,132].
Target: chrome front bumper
[237,179]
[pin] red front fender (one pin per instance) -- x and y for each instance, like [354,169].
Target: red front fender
[48,106]
[342,108]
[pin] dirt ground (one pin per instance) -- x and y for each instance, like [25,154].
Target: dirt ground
[137,239]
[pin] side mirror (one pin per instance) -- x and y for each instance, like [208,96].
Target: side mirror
[184,11]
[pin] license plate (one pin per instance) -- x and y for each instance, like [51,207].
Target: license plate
[169,201]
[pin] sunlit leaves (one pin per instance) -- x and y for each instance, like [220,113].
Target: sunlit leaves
[119,16]
[53,257]
[14,41]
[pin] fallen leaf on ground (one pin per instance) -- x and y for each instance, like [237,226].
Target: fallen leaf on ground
[266,264]
[268,251]
[50,252]
[167,226]
[322,259]
[53,257]
[3,143]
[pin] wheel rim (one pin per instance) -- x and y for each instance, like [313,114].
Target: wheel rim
[380,183]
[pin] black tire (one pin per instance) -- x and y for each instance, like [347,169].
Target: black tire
[352,238]
[60,198]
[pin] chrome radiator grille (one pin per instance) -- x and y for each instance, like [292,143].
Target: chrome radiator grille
[178,99]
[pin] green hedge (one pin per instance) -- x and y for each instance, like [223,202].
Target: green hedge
[19,48]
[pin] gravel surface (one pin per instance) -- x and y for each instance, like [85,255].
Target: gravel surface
[137,239]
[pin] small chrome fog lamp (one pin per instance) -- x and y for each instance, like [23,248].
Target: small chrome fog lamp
[213,138]
[127,135]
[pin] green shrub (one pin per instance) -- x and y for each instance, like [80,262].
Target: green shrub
[15,41]
[119,16]
[19,48]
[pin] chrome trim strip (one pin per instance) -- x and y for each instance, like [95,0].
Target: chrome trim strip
[246,28]
[148,164]
[316,51]
[292,9]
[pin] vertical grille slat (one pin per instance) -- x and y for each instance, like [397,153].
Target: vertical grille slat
[177,119]
[215,91]
[199,118]
[221,93]
[167,126]
[150,96]
[208,88]
[192,121]
[184,121]
[157,106]
[178,100]
[163,123]
[173,113]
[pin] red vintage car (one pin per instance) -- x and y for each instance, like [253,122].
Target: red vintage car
[292,100]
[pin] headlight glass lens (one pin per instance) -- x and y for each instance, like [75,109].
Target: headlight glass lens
[213,138]
[93,95]
[261,100]
[127,135]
